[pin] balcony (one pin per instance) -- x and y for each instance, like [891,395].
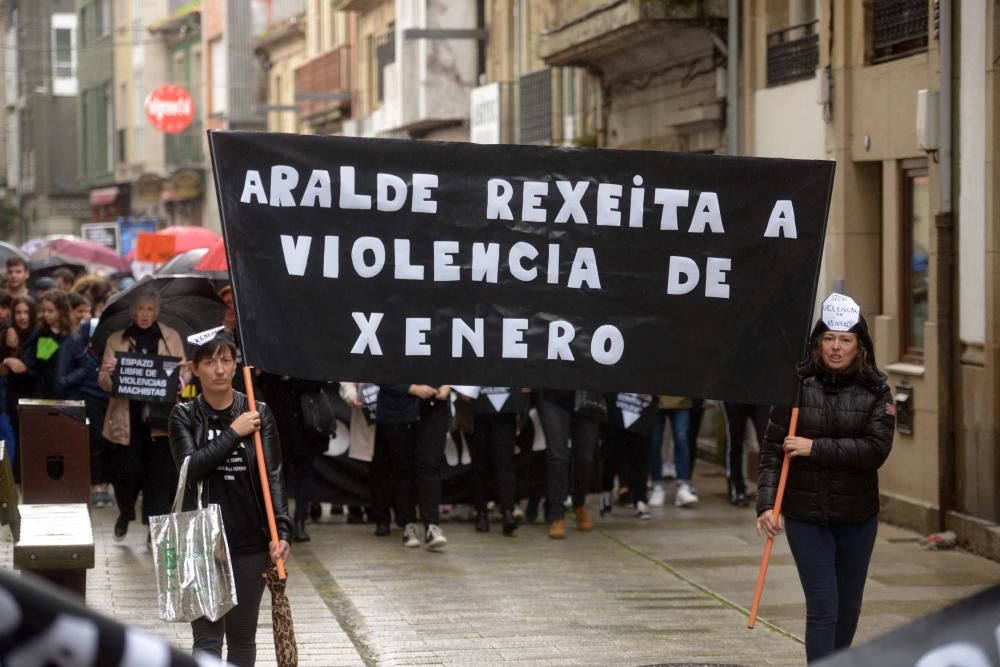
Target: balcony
[792,54]
[184,149]
[620,36]
[898,28]
[423,71]
[322,85]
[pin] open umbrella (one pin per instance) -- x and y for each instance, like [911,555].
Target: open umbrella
[188,304]
[8,250]
[44,268]
[91,254]
[182,264]
[214,260]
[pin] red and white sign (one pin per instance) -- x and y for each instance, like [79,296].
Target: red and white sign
[170,108]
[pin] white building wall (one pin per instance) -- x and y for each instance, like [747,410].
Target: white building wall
[972,175]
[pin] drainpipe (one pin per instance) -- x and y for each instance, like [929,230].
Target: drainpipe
[944,225]
[733,80]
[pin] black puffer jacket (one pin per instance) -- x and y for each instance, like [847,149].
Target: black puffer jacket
[850,418]
[187,438]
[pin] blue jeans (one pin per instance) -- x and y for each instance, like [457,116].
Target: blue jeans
[680,425]
[833,564]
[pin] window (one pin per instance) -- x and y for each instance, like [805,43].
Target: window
[64,54]
[109,129]
[219,85]
[915,261]
[102,21]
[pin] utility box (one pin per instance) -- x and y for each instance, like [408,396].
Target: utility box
[54,452]
[927,120]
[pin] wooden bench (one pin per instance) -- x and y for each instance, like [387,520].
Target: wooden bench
[55,542]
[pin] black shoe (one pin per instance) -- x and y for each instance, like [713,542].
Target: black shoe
[121,528]
[482,522]
[509,523]
[381,529]
[315,511]
[355,515]
[300,534]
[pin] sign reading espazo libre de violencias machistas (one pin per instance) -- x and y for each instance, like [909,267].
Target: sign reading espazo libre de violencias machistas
[400,261]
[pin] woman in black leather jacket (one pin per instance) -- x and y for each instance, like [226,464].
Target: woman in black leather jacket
[216,430]
[831,502]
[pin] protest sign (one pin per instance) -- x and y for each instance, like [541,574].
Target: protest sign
[523,266]
[145,377]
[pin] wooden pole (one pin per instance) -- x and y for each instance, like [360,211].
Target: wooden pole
[265,483]
[775,512]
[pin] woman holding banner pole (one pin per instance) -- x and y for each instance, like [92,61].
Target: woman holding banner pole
[140,453]
[216,431]
[831,503]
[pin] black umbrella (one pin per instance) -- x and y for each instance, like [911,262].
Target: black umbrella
[188,304]
[44,268]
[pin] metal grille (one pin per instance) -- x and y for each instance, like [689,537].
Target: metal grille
[792,54]
[535,107]
[899,28]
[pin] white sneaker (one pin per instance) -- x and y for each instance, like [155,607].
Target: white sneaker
[658,497]
[685,496]
[434,538]
[642,511]
[669,471]
[410,537]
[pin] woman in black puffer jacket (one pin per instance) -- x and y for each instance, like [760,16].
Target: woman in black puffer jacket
[831,503]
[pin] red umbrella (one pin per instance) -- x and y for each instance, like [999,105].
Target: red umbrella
[88,252]
[187,238]
[214,260]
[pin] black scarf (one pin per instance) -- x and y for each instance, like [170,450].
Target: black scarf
[144,340]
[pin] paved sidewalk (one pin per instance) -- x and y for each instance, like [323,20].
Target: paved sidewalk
[670,590]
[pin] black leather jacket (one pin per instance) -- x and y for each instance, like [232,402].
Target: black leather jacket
[187,438]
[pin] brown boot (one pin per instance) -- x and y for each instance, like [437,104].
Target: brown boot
[557,529]
[583,521]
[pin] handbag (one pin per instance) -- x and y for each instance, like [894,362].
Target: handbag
[194,573]
[590,404]
[318,414]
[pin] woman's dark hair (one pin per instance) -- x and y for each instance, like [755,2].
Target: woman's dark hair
[99,291]
[58,299]
[209,349]
[5,299]
[76,300]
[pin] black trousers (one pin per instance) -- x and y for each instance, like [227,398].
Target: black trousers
[100,449]
[239,625]
[736,415]
[302,485]
[492,447]
[560,425]
[631,451]
[147,466]
[407,466]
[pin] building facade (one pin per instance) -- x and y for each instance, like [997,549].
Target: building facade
[901,95]
[42,112]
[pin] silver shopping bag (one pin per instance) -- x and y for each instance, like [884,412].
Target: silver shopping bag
[194,574]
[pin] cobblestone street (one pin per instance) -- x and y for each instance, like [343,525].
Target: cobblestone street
[671,590]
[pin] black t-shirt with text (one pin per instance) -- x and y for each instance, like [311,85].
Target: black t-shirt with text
[231,486]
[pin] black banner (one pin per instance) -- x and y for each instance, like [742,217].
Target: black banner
[400,261]
[966,634]
[145,377]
